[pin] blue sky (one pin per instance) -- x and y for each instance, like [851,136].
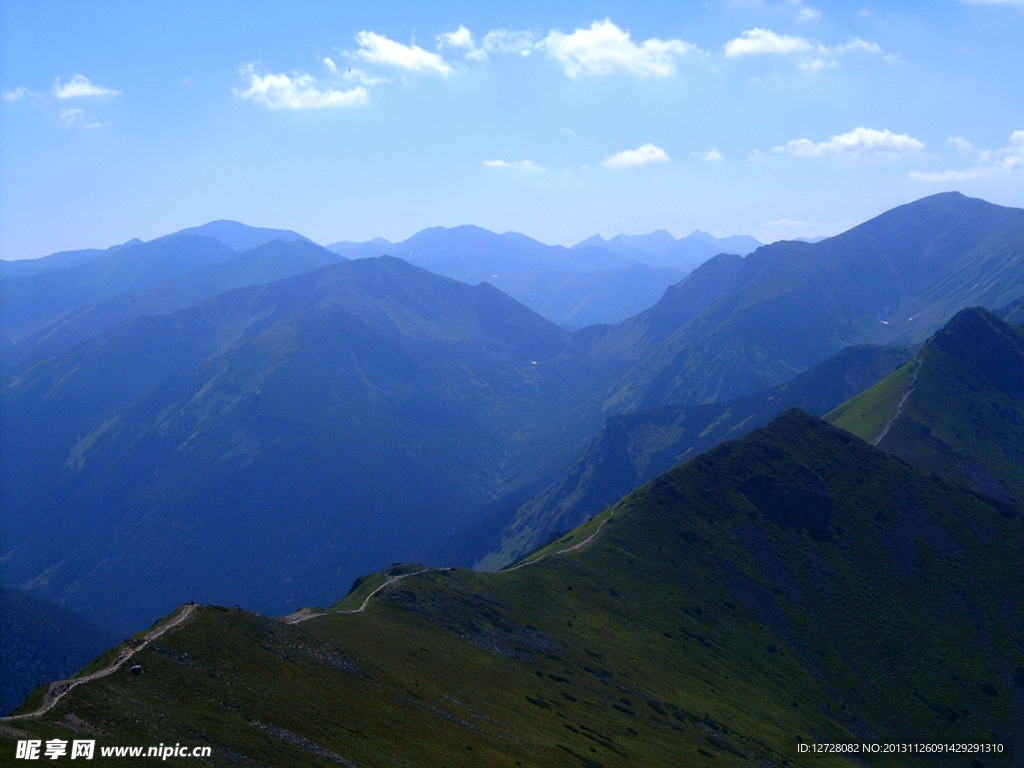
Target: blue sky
[347,120]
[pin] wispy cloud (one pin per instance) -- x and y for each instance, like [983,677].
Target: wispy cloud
[515,165]
[990,163]
[605,49]
[16,94]
[79,87]
[642,155]
[521,42]
[860,142]
[712,155]
[811,56]
[297,91]
[378,49]
[78,118]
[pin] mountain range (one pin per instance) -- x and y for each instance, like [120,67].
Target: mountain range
[694,563]
[249,426]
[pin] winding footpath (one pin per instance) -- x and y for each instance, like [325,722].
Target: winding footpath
[61,688]
[573,548]
[899,408]
[305,614]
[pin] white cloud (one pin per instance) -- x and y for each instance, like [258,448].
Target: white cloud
[80,87]
[604,49]
[378,49]
[516,165]
[460,38]
[860,142]
[330,65]
[711,156]
[298,91]
[77,118]
[1005,161]
[15,94]
[642,155]
[759,41]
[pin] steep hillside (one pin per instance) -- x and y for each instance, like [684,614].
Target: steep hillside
[957,409]
[894,279]
[175,452]
[635,447]
[796,586]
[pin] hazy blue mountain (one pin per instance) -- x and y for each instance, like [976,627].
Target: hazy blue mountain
[649,244]
[232,451]
[661,249]
[33,301]
[892,280]
[738,244]
[472,254]
[581,298]
[368,249]
[957,409]
[635,447]
[237,416]
[40,642]
[241,237]
[58,260]
[263,264]
[793,586]
[1013,312]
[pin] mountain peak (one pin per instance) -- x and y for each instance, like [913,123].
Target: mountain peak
[238,236]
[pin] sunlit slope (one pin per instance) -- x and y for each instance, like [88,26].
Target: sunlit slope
[957,409]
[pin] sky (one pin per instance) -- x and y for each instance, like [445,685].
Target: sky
[350,120]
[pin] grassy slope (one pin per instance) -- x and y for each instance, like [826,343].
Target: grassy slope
[867,414]
[794,584]
[964,418]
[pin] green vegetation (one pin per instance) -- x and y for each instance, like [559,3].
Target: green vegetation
[867,414]
[796,584]
[963,419]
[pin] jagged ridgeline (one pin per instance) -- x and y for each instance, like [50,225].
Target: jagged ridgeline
[795,585]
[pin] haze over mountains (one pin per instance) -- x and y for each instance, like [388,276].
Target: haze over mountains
[176,423]
[259,421]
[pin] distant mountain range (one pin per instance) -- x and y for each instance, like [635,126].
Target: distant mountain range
[181,420]
[661,249]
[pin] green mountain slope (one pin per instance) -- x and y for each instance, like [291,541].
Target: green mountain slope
[635,447]
[258,435]
[894,279]
[957,409]
[794,586]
